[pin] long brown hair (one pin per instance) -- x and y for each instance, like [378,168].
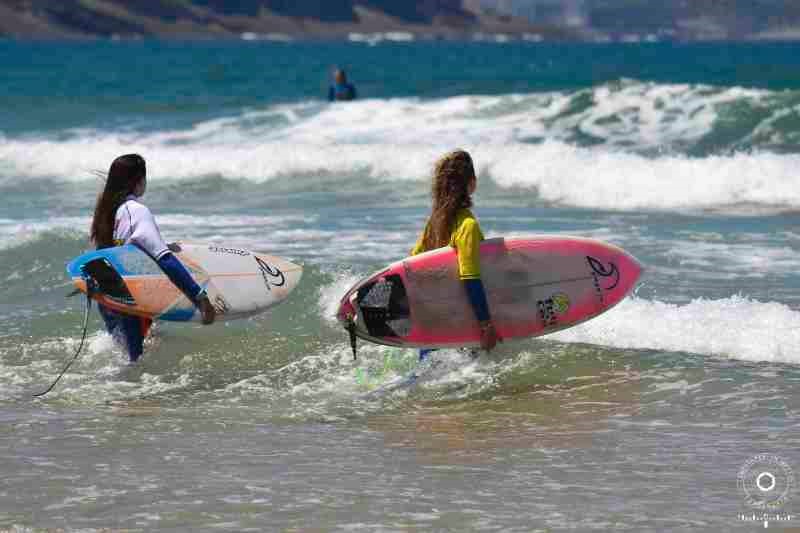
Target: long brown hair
[124,175]
[450,191]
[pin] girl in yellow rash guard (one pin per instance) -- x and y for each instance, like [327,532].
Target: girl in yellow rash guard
[452,224]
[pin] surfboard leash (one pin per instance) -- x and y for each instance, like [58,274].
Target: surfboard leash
[91,286]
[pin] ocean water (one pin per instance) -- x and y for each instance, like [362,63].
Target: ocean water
[644,419]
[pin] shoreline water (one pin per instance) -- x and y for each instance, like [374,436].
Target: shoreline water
[638,420]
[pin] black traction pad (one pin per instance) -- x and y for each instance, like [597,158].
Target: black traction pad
[381,302]
[108,280]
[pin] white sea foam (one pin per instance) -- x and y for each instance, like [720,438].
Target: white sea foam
[720,259]
[592,178]
[735,327]
[98,375]
[532,141]
[331,293]
[17,232]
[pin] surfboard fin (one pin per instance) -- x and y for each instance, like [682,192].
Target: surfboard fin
[351,329]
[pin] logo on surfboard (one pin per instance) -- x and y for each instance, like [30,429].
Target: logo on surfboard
[560,303]
[607,272]
[273,277]
[552,308]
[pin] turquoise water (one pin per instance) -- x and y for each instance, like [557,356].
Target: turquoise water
[640,420]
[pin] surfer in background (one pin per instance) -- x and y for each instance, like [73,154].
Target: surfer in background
[341,89]
[452,224]
[120,219]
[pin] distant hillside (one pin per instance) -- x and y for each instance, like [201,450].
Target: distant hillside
[226,18]
[596,20]
[684,20]
[694,19]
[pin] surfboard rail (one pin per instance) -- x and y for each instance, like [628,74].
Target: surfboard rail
[239,282]
[534,286]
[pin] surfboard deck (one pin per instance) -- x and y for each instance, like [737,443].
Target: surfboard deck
[534,286]
[239,282]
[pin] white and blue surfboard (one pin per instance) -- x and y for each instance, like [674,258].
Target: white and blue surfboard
[239,282]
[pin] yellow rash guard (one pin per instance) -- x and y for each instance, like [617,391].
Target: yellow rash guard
[465,237]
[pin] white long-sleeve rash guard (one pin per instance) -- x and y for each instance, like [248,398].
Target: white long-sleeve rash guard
[135,224]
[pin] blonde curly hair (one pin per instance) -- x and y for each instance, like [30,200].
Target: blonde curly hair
[452,176]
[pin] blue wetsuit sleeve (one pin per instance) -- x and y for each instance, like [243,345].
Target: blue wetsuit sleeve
[178,275]
[331,94]
[477,298]
[353,90]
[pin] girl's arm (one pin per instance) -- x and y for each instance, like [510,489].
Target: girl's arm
[145,233]
[180,277]
[477,297]
[467,241]
[147,236]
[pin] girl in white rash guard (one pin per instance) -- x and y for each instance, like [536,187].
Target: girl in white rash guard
[119,218]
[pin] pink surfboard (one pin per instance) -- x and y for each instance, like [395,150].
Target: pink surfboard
[534,286]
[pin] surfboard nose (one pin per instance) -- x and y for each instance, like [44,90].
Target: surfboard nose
[630,268]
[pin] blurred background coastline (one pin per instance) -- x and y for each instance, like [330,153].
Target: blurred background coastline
[377,20]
